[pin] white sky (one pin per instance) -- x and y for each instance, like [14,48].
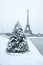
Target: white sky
[12,11]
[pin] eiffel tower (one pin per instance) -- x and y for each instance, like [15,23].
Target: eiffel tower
[27,30]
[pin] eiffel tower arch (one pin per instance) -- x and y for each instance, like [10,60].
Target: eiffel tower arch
[28,30]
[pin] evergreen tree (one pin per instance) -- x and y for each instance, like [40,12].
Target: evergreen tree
[17,42]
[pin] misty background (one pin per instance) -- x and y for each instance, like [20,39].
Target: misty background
[12,11]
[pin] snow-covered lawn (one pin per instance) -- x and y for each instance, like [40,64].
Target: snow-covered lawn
[33,57]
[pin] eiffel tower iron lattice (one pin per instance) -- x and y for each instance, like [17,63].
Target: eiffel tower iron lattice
[27,30]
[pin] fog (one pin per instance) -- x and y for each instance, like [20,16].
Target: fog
[12,11]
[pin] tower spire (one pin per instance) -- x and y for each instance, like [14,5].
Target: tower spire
[27,16]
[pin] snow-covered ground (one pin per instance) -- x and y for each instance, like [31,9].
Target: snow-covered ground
[33,57]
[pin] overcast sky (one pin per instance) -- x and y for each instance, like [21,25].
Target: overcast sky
[12,11]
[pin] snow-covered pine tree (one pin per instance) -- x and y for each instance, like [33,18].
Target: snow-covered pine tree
[17,42]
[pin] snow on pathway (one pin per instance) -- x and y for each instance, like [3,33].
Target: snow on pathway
[33,57]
